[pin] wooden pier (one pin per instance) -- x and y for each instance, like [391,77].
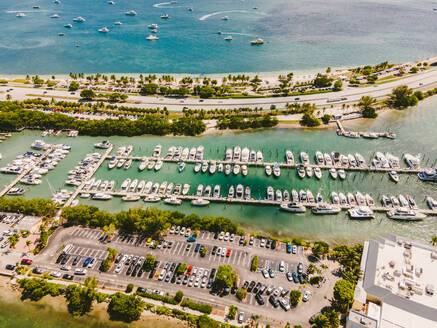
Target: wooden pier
[25,172]
[341,131]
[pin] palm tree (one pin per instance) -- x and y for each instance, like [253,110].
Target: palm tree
[433,240]
[366,102]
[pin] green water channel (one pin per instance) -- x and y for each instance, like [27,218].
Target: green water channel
[414,127]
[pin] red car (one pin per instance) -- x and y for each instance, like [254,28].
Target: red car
[228,253]
[190,268]
[26,261]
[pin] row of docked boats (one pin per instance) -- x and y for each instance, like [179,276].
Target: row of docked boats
[244,155]
[213,167]
[350,199]
[81,172]
[178,153]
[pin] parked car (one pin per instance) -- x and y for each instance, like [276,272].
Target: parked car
[10,267]
[273,301]
[284,304]
[259,299]
[300,268]
[265,273]
[240,317]
[191,239]
[26,262]
[289,248]
[289,276]
[80,271]
[271,273]
[68,276]
[306,296]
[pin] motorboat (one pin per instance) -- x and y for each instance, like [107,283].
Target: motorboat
[177,189]
[328,159]
[143,164]
[157,151]
[103,30]
[225,18]
[322,209]
[244,170]
[239,191]
[259,157]
[405,214]
[153,26]
[127,164]
[155,188]
[351,199]
[333,173]
[231,192]
[247,193]
[252,156]
[318,172]
[304,158]
[237,154]
[200,202]
[103,145]
[186,189]
[278,195]
[212,167]
[130,13]
[276,170]
[301,171]
[270,193]
[293,208]
[352,160]
[181,166]
[343,199]
[341,174]
[303,196]
[15,191]
[20,15]
[335,199]
[320,160]
[169,188]
[151,165]
[395,201]
[394,176]
[130,198]
[152,37]
[361,200]
[268,170]
[101,196]
[153,198]
[411,202]
[185,153]
[369,200]
[148,187]
[197,167]
[207,191]
[432,203]
[113,162]
[428,175]
[294,196]
[361,212]
[121,162]
[220,168]
[118,23]
[360,160]
[245,155]
[310,196]
[165,16]
[393,161]
[204,166]
[289,157]
[140,186]
[228,154]
[227,169]
[344,160]
[162,188]
[319,198]
[79,19]
[199,191]
[54,16]
[309,171]
[68,26]
[258,41]
[286,196]
[133,185]
[158,165]
[403,201]
[216,193]
[236,170]
[385,201]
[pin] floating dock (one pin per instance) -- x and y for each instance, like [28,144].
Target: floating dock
[341,131]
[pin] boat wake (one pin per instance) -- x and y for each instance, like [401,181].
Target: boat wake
[165,5]
[238,33]
[38,43]
[25,11]
[230,11]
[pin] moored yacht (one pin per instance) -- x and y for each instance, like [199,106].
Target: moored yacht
[130,13]
[293,208]
[318,172]
[199,202]
[289,157]
[239,191]
[405,214]
[301,171]
[276,170]
[103,145]
[325,209]
[361,212]
[173,201]
[231,192]
[428,175]
[244,170]
[394,176]
[236,170]
[268,170]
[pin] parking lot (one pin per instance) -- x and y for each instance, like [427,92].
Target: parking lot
[7,221]
[173,250]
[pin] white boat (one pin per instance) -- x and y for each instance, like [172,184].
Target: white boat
[228,154]
[118,23]
[181,166]
[185,153]
[121,162]
[169,188]
[309,171]
[231,192]
[127,164]
[151,165]
[385,201]
[204,166]
[68,26]
[207,191]
[333,173]
[227,169]
[133,185]
[177,189]
[153,26]
[294,196]
[199,191]
[130,198]
[335,199]
[247,193]
[428,175]
[200,202]
[259,157]
[228,38]
[152,37]
[236,170]
[104,30]
[286,196]
[153,198]
[157,151]
[322,209]
[192,154]
[21,15]
[360,160]
[186,189]
[162,187]
[225,18]
[361,200]
[197,167]
[293,208]
[158,165]
[141,186]
[239,191]
[352,161]
[369,200]
[405,214]
[15,191]
[276,170]
[258,41]
[328,159]
[278,195]
[268,170]
[216,193]
[320,160]
[395,201]
[199,153]
[155,188]
[403,201]
[289,157]
[351,199]
[125,184]
[237,154]
[38,145]
[143,164]
[318,172]
[361,212]
[112,163]
[220,168]
[79,19]
[212,167]
[301,171]
[101,196]
[130,13]
[252,156]
[245,155]
[54,16]
[413,162]
[393,176]
[244,170]
[270,193]
[148,187]
[341,174]
[304,158]
[310,196]
[343,199]
[303,196]
[103,145]
[393,161]
[432,203]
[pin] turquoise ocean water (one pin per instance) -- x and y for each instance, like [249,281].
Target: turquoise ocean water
[299,35]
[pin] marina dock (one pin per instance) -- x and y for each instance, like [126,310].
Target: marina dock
[341,131]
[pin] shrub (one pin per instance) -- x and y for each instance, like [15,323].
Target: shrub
[125,307]
[254,264]
[165,299]
[129,288]
[232,312]
[295,297]
[326,118]
[204,308]
[179,296]
[241,294]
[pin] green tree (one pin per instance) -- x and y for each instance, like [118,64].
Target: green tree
[254,264]
[295,297]
[73,86]
[206,322]
[433,241]
[149,262]
[179,296]
[125,307]
[182,268]
[322,81]
[129,288]
[241,293]
[149,89]
[308,119]
[366,104]
[343,294]
[87,94]
[203,251]
[320,248]
[80,299]
[402,97]
[414,69]
[338,85]
[206,92]
[225,276]
[326,118]
[232,312]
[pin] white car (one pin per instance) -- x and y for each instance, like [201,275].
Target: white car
[183,231]
[200,271]
[219,251]
[222,234]
[263,243]
[56,274]
[265,273]
[282,266]
[294,249]
[66,267]
[193,273]
[204,281]
[118,268]
[231,238]
[196,282]
[172,229]
[161,275]
[306,296]
[205,273]
[190,283]
[226,238]
[80,271]
[223,251]
[92,262]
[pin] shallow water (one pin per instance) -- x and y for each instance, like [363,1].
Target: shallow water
[298,35]
[414,127]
